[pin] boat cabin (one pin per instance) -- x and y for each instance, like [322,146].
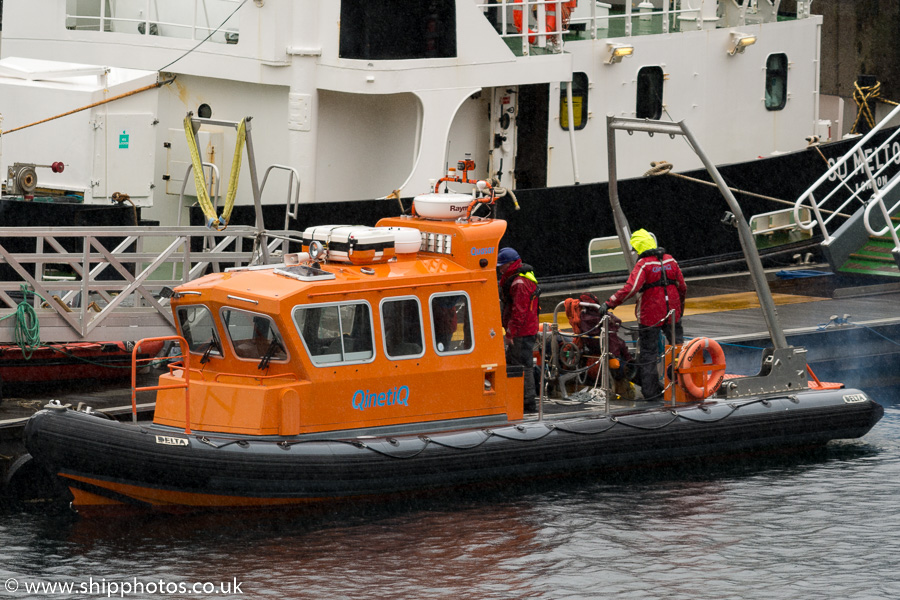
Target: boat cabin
[367,327]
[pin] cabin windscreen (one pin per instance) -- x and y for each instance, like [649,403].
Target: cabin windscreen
[199,329]
[253,335]
[451,323]
[401,320]
[337,333]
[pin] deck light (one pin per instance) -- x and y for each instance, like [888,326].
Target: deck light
[615,52]
[739,42]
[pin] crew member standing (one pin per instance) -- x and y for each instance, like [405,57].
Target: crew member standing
[519,302]
[659,285]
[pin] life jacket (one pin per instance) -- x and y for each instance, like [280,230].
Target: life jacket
[526,271]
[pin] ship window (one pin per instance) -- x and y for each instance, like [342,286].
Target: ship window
[381,30]
[336,333]
[402,323]
[776,81]
[649,93]
[252,335]
[579,102]
[199,330]
[451,323]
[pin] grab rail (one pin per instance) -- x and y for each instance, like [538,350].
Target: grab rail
[185,356]
[878,201]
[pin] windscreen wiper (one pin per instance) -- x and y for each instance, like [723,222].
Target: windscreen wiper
[274,347]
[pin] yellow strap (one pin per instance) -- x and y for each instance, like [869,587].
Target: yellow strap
[235,171]
[212,219]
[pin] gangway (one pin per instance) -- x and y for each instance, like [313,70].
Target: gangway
[856,205]
[106,283]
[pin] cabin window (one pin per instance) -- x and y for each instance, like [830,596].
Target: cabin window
[252,335]
[208,20]
[383,30]
[650,93]
[401,320]
[776,81]
[199,330]
[451,323]
[336,333]
[579,102]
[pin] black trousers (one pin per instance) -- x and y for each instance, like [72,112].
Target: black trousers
[648,356]
[521,352]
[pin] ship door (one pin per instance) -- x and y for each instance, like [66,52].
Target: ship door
[503,135]
[533,112]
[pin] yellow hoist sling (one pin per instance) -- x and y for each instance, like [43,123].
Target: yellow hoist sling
[218,222]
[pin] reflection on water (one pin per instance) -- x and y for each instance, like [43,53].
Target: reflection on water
[820,525]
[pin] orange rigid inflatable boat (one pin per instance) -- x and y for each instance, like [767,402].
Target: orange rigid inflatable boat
[372,363]
[381,372]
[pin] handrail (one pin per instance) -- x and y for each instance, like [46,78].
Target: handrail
[185,356]
[292,206]
[886,213]
[863,161]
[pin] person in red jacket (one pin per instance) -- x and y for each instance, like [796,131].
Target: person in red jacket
[657,282]
[519,303]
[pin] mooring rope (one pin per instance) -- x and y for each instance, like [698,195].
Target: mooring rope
[92,105]
[664,168]
[863,95]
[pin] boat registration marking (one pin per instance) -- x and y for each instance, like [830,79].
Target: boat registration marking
[853,398]
[172,441]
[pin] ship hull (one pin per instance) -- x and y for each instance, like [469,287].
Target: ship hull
[112,465]
[566,218]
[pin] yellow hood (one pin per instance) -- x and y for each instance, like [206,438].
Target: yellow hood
[642,240]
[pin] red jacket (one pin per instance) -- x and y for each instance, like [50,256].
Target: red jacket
[653,299]
[518,300]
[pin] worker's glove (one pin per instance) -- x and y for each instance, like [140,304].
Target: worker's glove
[604,308]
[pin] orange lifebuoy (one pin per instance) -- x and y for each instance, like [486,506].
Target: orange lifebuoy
[698,378]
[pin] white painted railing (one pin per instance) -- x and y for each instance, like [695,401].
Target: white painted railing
[640,19]
[862,177]
[103,283]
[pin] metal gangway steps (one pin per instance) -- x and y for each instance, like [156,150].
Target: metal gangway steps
[855,205]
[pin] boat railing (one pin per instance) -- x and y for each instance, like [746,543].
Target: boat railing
[561,371]
[292,206]
[856,181]
[185,364]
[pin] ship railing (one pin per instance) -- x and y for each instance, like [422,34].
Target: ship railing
[186,19]
[185,364]
[598,22]
[857,181]
[104,283]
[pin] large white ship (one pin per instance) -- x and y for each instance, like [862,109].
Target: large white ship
[363,102]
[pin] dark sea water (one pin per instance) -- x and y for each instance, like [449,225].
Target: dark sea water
[821,525]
